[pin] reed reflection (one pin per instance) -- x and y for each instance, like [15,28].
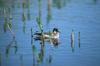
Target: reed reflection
[41,54]
[24,23]
[95,1]
[38,18]
[79,39]
[34,50]
[18,4]
[0,58]
[12,44]
[72,40]
[28,10]
[49,60]
[28,14]
[21,60]
[38,56]
[24,6]
[60,3]
[35,54]
[8,20]
[57,3]
[49,16]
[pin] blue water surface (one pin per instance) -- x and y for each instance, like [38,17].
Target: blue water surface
[80,16]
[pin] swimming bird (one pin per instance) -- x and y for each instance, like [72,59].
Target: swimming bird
[47,35]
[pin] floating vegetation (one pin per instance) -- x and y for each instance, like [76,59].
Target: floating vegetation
[12,44]
[72,40]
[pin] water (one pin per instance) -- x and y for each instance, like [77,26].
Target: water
[76,15]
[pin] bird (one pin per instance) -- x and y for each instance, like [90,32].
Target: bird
[47,35]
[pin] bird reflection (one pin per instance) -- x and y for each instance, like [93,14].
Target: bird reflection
[55,42]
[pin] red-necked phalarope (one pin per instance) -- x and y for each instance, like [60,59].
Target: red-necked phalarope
[48,35]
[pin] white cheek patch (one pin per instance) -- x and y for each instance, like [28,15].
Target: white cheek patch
[55,32]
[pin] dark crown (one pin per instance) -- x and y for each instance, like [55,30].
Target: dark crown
[55,29]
